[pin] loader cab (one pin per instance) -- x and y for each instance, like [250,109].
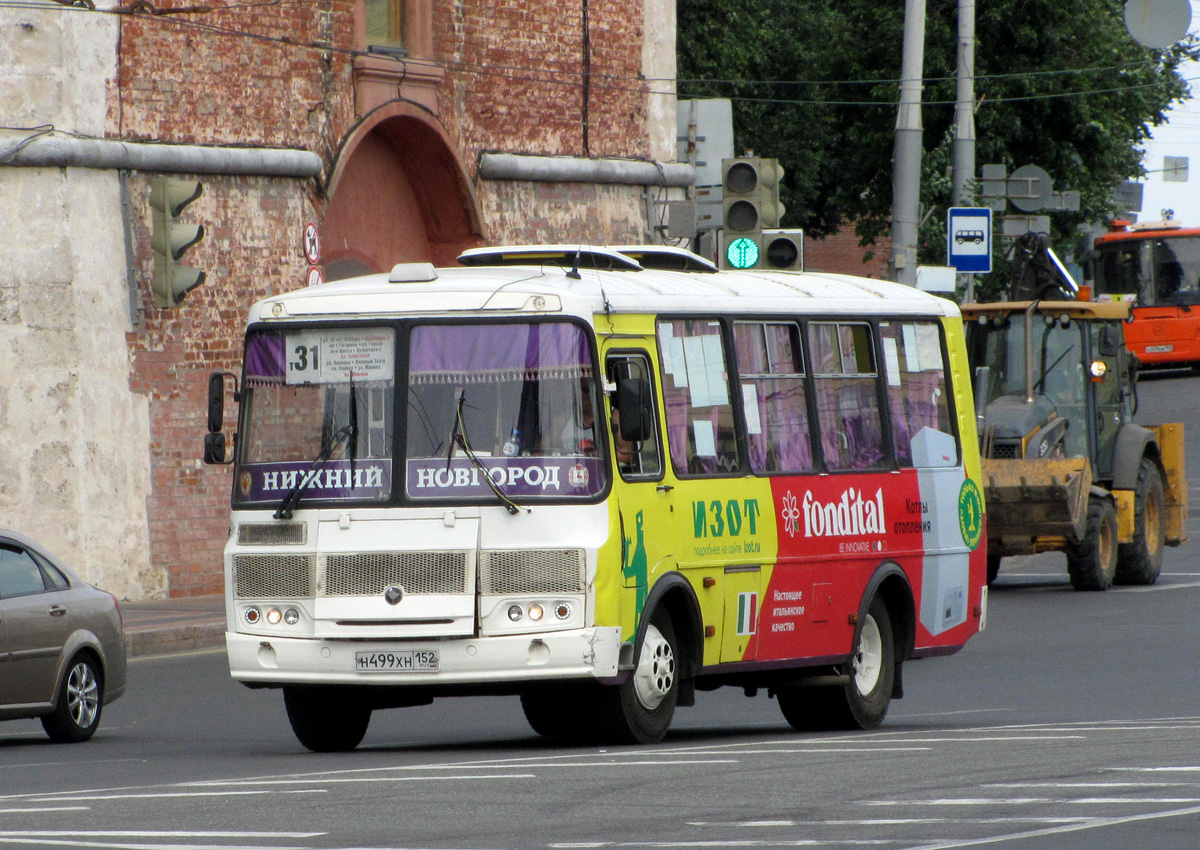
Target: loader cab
[1057,382]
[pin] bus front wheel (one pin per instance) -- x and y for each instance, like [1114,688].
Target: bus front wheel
[863,701]
[639,711]
[325,721]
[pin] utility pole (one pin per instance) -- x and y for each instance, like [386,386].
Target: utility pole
[962,151]
[906,165]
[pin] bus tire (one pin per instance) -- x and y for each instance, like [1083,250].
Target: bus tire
[324,720]
[1092,561]
[861,703]
[563,713]
[1140,560]
[639,711]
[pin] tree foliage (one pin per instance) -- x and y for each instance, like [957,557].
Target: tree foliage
[815,83]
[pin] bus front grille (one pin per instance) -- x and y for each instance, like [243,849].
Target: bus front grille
[531,571]
[371,573]
[272,575]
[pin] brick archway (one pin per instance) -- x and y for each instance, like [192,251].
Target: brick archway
[398,193]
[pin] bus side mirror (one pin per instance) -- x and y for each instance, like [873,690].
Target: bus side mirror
[635,406]
[214,447]
[214,440]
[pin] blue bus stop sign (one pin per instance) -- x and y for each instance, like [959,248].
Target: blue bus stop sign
[969,239]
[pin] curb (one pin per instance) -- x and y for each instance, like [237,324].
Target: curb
[143,643]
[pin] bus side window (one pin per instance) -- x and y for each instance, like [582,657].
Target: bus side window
[847,395]
[771,375]
[635,458]
[916,387]
[701,431]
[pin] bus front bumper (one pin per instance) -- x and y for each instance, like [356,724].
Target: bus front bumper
[273,660]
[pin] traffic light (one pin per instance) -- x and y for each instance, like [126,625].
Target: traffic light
[171,237]
[750,202]
[783,250]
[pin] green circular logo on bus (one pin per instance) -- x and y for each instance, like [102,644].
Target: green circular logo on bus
[742,253]
[970,513]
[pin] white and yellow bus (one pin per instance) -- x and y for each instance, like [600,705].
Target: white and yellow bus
[602,484]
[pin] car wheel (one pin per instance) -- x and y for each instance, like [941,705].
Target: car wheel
[80,701]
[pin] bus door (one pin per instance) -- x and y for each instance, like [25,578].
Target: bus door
[642,497]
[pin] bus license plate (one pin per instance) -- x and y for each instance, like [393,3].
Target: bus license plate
[401,661]
[1159,349]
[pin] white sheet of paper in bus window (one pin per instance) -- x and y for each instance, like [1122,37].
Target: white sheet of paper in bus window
[706,439]
[891,359]
[750,404]
[339,356]
[929,343]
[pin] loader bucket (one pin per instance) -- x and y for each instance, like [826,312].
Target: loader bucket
[1036,498]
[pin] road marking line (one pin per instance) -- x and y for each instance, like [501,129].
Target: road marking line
[1095,823]
[41,809]
[345,780]
[70,797]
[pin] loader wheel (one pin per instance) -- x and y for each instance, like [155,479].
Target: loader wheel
[1140,560]
[1092,561]
[993,568]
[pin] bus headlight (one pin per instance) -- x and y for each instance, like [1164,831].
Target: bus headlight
[562,610]
[252,615]
[274,615]
[1098,368]
[291,616]
[514,612]
[535,612]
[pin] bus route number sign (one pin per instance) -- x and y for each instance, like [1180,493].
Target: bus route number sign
[332,356]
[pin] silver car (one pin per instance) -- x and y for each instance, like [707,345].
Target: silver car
[62,646]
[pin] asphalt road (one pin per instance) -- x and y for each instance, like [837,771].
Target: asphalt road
[1073,721]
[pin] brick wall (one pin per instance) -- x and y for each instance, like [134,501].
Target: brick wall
[841,253]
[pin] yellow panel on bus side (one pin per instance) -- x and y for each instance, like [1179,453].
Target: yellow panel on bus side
[964,397]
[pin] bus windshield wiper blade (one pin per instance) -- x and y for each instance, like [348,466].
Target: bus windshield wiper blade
[288,505]
[459,435]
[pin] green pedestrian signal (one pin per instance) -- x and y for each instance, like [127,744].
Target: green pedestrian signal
[742,253]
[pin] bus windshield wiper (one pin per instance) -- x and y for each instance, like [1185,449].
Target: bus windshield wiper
[288,505]
[458,436]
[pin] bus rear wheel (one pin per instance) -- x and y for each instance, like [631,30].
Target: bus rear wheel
[863,701]
[639,711]
[326,720]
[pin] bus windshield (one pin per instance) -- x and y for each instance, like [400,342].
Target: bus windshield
[513,403]
[318,407]
[1158,272]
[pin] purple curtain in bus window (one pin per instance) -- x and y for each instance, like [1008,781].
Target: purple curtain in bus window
[444,353]
[265,357]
